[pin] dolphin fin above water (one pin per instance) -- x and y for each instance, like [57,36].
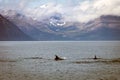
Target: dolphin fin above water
[59,58]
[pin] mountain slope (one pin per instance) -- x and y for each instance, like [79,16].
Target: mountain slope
[8,31]
[54,27]
[103,28]
[35,29]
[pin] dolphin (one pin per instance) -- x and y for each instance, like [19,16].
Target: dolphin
[59,58]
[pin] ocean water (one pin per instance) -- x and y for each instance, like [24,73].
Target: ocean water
[34,60]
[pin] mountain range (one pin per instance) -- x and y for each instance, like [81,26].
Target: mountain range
[17,26]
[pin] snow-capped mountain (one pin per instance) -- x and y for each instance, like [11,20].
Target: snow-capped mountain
[57,20]
[55,27]
[39,30]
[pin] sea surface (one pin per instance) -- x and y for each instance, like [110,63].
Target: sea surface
[34,60]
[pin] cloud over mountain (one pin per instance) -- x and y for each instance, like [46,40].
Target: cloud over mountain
[54,27]
[73,10]
[65,20]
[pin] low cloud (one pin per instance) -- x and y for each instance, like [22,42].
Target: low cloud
[44,10]
[84,11]
[88,10]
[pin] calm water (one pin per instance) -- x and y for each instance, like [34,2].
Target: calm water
[46,68]
[71,50]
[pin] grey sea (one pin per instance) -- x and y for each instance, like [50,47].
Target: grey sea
[34,60]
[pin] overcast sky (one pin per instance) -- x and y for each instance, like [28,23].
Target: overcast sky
[33,3]
[76,10]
